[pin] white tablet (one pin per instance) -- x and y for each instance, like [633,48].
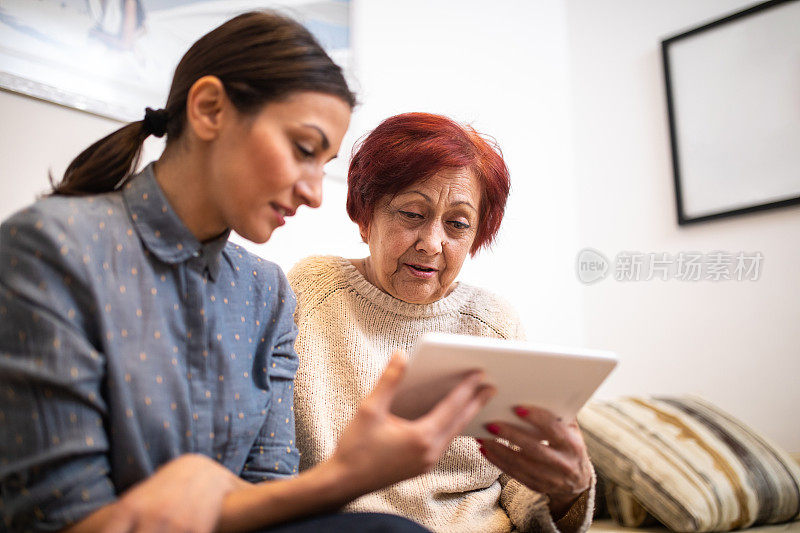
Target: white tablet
[556,378]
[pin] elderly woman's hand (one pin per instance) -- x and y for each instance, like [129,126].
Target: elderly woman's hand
[378,448]
[547,454]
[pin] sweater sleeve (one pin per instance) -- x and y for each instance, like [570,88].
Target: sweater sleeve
[529,511]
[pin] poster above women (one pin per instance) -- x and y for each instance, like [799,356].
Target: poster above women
[115,57]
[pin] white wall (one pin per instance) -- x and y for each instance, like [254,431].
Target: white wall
[37,138]
[735,343]
[573,93]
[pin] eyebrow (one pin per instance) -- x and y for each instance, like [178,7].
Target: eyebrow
[428,198]
[325,143]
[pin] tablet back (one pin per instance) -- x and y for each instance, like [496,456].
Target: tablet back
[557,378]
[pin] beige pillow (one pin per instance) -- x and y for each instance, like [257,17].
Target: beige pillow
[689,464]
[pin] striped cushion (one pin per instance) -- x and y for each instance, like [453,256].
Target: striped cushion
[689,464]
[623,506]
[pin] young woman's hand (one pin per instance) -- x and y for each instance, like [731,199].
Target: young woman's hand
[183,495]
[547,455]
[378,448]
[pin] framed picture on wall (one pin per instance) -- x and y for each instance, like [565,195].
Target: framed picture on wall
[733,97]
[115,57]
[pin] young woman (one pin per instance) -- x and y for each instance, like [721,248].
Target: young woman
[146,364]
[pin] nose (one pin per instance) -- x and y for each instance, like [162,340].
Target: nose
[309,189]
[431,238]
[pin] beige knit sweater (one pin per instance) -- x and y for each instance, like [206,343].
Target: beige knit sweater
[348,330]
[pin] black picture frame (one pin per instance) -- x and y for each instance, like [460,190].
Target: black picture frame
[749,34]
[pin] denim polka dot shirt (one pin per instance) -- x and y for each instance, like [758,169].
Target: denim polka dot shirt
[125,343]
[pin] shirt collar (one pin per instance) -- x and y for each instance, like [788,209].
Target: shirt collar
[211,252]
[163,233]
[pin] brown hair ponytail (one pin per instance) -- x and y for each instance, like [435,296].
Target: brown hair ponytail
[259,57]
[105,164]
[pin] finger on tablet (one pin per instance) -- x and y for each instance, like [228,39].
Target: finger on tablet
[523,434]
[527,441]
[537,476]
[456,424]
[460,405]
[553,428]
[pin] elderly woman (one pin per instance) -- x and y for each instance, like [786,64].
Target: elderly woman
[425,192]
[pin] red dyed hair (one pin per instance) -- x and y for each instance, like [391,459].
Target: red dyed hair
[411,147]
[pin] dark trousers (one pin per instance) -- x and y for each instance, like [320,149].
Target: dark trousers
[350,523]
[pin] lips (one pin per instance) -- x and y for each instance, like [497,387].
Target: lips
[420,271]
[421,268]
[283,211]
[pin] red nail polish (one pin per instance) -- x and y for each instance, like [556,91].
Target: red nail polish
[480,441]
[494,429]
[482,450]
[521,411]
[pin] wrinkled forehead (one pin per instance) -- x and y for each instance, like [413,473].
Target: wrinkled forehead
[448,186]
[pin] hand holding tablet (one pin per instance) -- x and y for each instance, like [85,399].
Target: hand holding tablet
[558,379]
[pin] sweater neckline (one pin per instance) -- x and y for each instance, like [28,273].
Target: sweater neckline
[450,303]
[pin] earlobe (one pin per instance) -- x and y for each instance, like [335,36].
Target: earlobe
[206,104]
[364,230]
